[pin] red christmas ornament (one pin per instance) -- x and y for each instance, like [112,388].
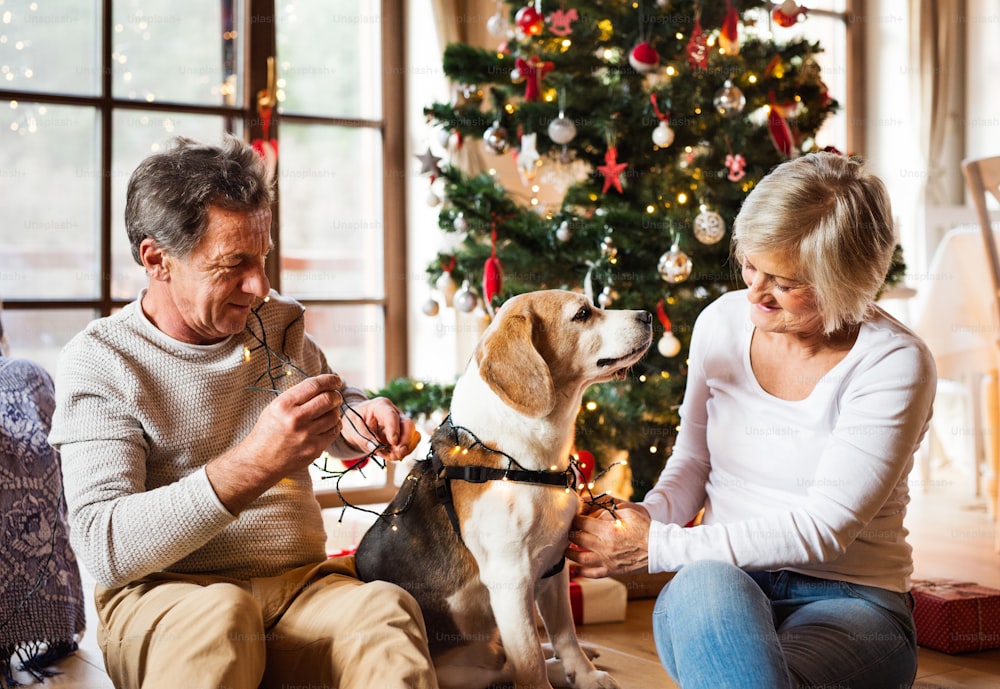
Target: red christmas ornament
[644,58]
[529,20]
[788,13]
[532,70]
[561,21]
[781,133]
[612,170]
[697,48]
[729,34]
[492,270]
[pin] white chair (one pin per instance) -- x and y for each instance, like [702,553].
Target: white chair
[982,177]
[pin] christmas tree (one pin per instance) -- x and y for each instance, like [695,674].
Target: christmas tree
[674,110]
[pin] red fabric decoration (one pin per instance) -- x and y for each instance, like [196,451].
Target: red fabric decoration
[697,48]
[533,71]
[612,170]
[661,313]
[492,270]
[781,133]
[788,13]
[729,35]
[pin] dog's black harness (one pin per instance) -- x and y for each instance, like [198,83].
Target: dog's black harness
[446,473]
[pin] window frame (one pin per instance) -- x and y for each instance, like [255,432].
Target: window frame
[260,43]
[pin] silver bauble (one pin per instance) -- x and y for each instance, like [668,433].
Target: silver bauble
[674,266]
[709,227]
[729,100]
[495,140]
[465,299]
[431,307]
[562,130]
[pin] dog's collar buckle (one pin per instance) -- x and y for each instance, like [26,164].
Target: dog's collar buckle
[474,474]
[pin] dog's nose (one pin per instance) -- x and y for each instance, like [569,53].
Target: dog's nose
[644,317]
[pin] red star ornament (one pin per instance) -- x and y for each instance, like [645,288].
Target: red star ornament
[612,170]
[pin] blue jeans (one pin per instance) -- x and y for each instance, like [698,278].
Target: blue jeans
[717,627]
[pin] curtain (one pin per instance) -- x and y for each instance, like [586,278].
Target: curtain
[938,41]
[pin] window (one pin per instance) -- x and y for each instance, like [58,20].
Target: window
[90,88]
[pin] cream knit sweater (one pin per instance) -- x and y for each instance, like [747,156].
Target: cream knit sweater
[139,415]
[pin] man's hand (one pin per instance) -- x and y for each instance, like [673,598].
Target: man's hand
[603,544]
[377,423]
[290,433]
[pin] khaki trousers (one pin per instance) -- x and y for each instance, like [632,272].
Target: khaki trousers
[317,626]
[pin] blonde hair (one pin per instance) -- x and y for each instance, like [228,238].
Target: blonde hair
[835,219]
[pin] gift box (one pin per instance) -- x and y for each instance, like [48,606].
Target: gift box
[956,616]
[597,600]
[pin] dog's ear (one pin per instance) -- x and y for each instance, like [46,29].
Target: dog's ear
[513,368]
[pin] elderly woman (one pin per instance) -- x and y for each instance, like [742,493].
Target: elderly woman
[804,406]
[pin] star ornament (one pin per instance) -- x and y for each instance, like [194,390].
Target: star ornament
[612,170]
[429,163]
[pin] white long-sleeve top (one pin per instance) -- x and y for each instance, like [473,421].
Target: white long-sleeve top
[139,415]
[817,486]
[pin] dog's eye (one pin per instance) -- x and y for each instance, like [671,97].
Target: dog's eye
[582,315]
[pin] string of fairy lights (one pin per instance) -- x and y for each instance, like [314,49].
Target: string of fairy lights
[278,366]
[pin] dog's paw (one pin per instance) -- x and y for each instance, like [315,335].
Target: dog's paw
[598,679]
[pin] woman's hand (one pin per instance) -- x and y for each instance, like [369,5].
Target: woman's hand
[603,544]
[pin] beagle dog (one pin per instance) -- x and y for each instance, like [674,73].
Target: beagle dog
[477,531]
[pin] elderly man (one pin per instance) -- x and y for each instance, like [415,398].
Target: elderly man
[187,423]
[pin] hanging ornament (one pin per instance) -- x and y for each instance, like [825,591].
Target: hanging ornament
[533,71]
[529,20]
[498,25]
[465,299]
[527,157]
[560,21]
[736,165]
[563,232]
[445,283]
[459,223]
[492,271]
[431,307]
[644,58]
[433,199]
[429,163]
[697,46]
[495,139]
[612,170]
[709,227]
[267,101]
[788,13]
[561,129]
[443,137]
[669,345]
[729,34]
[674,266]
[606,297]
[729,100]
[609,249]
[663,135]
[781,133]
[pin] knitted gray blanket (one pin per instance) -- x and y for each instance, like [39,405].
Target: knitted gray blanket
[41,597]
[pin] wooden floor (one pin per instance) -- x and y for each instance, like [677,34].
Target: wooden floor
[952,534]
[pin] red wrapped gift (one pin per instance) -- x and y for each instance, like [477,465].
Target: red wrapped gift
[597,600]
[956,616]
